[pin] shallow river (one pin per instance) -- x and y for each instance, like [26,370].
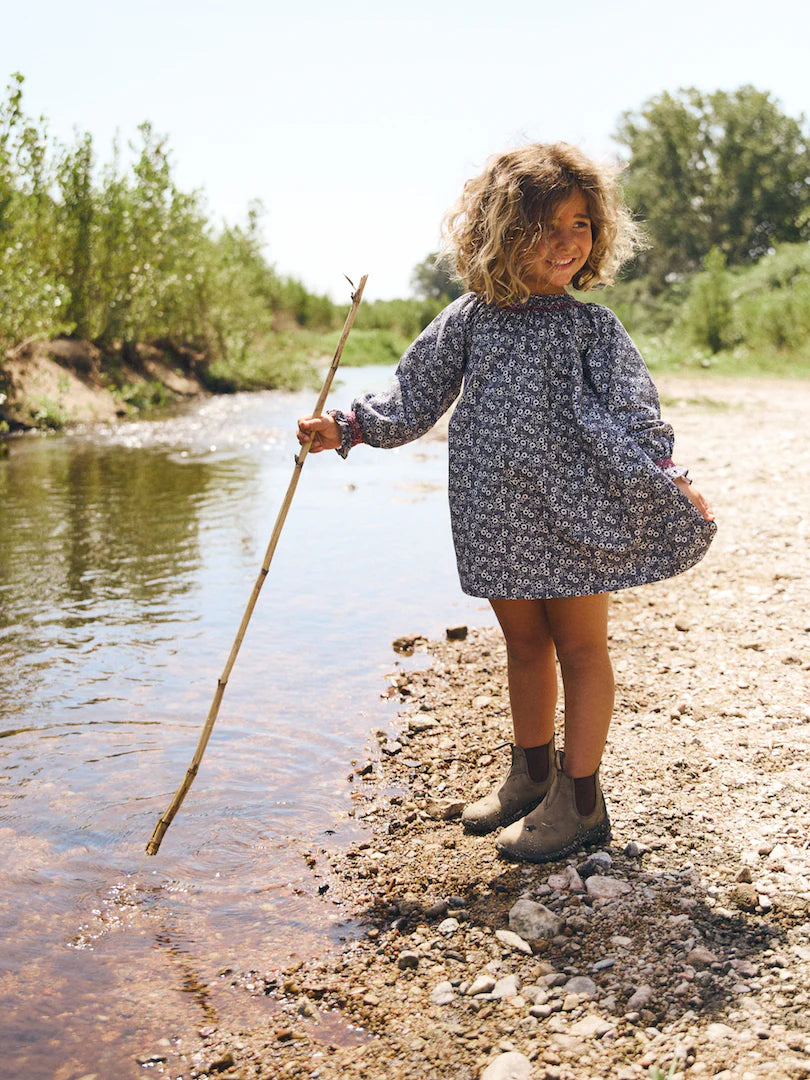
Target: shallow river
[126,560]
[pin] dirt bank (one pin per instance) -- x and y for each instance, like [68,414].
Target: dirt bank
[684,945]
[65,381]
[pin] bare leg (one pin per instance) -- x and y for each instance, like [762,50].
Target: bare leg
[578,627]
[531,667]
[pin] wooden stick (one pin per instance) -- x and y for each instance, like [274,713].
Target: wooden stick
[163,824]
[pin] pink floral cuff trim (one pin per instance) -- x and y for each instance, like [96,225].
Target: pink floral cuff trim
[351,434]
[673,471]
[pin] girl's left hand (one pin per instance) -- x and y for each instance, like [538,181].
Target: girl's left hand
[694,497]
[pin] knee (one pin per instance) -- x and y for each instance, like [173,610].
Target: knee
[528,648]
[577,656]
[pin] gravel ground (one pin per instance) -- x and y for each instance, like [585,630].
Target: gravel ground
[683,948]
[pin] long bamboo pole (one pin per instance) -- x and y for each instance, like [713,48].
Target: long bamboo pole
[160,829]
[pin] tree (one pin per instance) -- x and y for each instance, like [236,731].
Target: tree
[728,170]
[431,280]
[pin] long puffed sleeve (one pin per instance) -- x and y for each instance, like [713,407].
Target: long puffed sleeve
[623,384]
[426,383]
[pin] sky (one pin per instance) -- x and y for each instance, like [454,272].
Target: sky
[356,124]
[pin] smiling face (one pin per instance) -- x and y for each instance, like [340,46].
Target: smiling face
[563,248]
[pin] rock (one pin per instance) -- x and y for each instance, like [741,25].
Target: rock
[745,875]
[434,911]
[408,959]
[533,921]
[444,811]
[442,993]
[594,864]
[605,888]
[407,643]
[591,1026]
[744,897]
[511,1066]
[553,978]
[568,881]
[456,633]
[481,984]
[634,850]
[513,941]
[581,984]
[508,986]
[640,999]
[392,747]
[700,957]
[604,964]
[422,722]
[448,926]
[720,1033]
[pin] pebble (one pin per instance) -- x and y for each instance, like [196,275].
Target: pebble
[481,984]
[568,881]
[511,1066]
[442,993]
[408,959]
[533,921]
[508,986]
[434,911]
[606,888]
[581,984]
[640,999]
[744,896]
[720,1033]
[634,850]
[448,926]
[701,957]
[591,1026]
[598,861]
[512,941]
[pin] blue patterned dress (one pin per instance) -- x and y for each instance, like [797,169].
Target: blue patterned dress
[554,486]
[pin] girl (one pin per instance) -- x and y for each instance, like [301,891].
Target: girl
[562,485]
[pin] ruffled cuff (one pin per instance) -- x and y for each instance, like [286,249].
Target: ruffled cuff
[673,471]
[351,433]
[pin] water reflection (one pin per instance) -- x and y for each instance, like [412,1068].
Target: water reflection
[126,559]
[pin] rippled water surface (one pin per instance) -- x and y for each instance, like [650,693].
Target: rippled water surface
[126,560]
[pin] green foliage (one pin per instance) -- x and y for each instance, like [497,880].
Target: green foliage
[726,170]
[48,413]
[118,254]
[366,347]
[149,395]
[433,280]
[737,321]
[707,316]
[408,318]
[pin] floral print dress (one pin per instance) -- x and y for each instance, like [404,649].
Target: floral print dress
[554,487]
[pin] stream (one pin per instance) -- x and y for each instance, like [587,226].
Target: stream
[127,556]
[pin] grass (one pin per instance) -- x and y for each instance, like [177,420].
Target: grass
[664,354]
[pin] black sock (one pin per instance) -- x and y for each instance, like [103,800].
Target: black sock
[585,794]
[537,762]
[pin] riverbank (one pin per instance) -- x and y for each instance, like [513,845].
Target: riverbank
[58,383]
[683,946]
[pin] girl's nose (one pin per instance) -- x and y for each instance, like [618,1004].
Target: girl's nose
[561,239]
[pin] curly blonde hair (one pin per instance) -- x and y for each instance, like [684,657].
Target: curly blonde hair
[492,232]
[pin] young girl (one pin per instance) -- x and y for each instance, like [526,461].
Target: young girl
[562,485]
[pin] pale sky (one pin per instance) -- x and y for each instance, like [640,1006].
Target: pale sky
[356,124]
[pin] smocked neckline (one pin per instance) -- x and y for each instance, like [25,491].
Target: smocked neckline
[540,299]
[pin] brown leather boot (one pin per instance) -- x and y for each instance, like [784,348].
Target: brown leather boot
[516,796]
[556,828]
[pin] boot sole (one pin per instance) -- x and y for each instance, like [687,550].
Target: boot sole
[482,830]
[597,835]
